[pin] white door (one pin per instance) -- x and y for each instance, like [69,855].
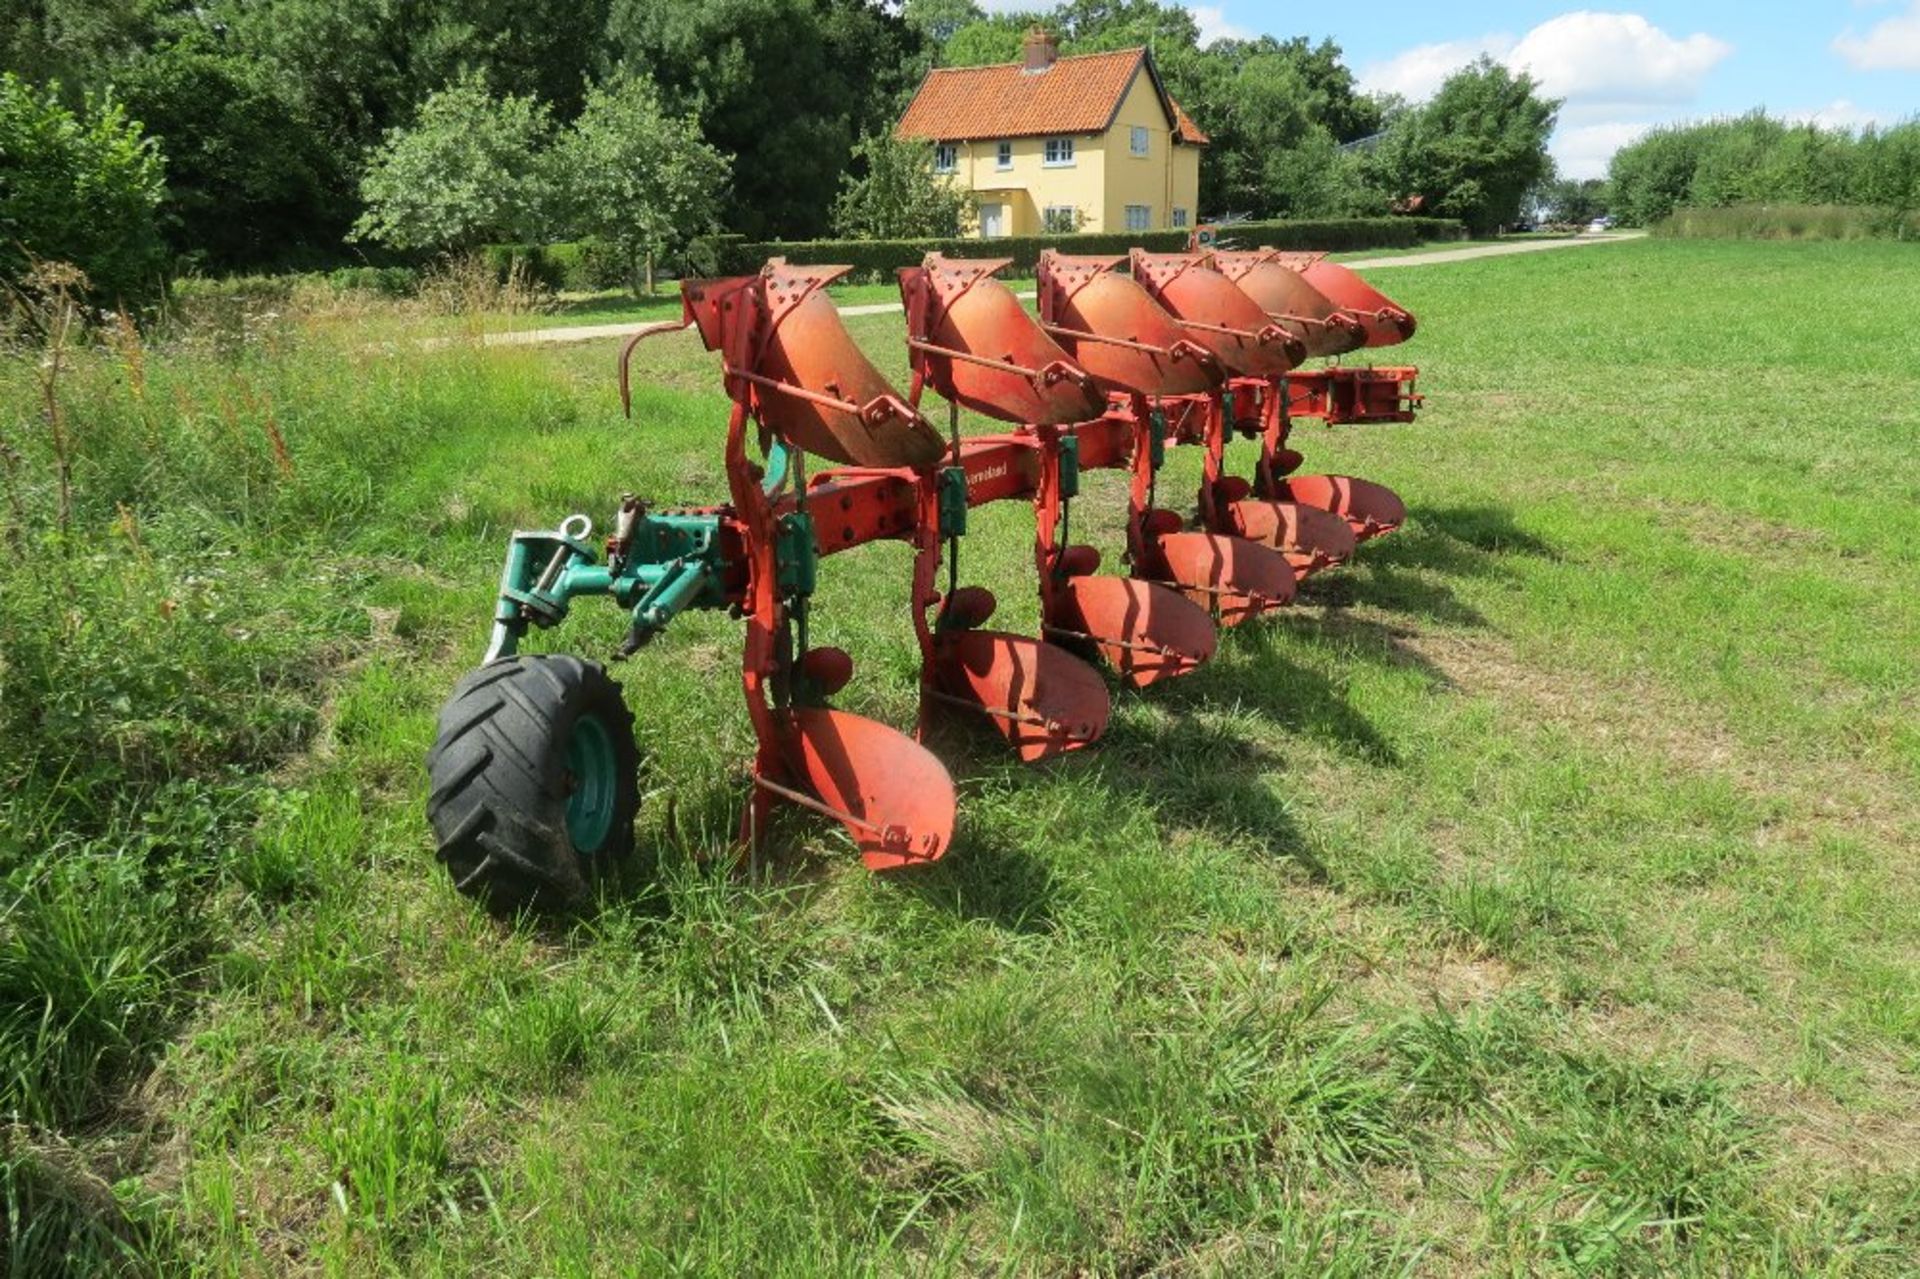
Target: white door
[993,220]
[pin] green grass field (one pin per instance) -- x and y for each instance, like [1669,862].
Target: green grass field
[1539,895]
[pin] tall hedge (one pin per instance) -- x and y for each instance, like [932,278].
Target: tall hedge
[1759,160]
[879,258]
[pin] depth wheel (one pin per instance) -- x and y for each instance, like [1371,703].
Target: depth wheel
[534,782]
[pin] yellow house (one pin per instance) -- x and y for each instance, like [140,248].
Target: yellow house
[1053,144]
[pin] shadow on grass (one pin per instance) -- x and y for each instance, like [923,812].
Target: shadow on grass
[1206,777]
[1257,675]
[1396,573]
[984,878]
[1203,773]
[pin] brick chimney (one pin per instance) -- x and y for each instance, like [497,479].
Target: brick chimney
[1041,48]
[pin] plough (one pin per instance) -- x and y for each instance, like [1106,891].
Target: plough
[533,770]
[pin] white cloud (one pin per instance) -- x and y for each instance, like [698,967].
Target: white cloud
[1214,24]
[1892,44]
[1419,72]
[1841,113]
[1583,151]
[1614,71]
[1584,57]
[1615,57]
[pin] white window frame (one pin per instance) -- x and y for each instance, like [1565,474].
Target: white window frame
[1139,217]
[1068,214]
[1003,156]
[1179,219]
[946,157]
[1137,141]
[1059,153]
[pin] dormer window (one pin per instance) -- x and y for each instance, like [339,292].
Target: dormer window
[946,158]
[1059,153]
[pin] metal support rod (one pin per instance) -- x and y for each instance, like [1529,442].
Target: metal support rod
[893,836]
[1133,646]
[1305,321]
[797,392]
[1051,373]
[1053,727]
[1055,330]
[1254,598]
[1247,335]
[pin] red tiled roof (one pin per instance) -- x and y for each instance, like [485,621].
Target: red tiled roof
[1185,129]
[1079,94]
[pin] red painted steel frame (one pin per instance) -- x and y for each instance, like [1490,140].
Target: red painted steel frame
[894,798]
[1346,395]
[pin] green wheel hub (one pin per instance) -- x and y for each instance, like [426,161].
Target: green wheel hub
[592,767]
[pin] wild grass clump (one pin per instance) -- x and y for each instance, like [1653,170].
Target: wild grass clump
[185,512]
[1790,222]
[352,305]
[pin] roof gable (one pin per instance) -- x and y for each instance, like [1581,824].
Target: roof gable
[1079,94]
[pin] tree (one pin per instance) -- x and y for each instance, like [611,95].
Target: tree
[1093,25]
[249,180]
[77,44]
[1263,128]
[80,187]
[789,85]
[468,172]
[937,20]
[986,42]
[899,196]
[1475,150]
[1570,200]
[638,178]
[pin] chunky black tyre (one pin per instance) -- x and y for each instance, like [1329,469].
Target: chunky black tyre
[534,782]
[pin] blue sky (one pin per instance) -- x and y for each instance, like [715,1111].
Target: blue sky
[1623,69]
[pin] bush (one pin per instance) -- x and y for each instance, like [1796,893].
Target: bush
[81,189]
[196,293]
[1343,235]
[1757,161]
[877,259]
[588,266]
[1790,222]
[535,263]
[387,281]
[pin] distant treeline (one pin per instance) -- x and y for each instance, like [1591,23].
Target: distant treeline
[1759,160]
[262,135]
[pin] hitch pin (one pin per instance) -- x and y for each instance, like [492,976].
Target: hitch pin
[575,527]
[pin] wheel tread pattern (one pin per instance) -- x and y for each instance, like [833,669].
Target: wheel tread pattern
[498,790]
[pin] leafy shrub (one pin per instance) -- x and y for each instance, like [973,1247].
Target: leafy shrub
[79,188]
[387,281]
[591,266]
[535,263]
[470,167]
[1757,160]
